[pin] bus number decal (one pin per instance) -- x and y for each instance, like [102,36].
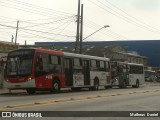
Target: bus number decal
[49,77]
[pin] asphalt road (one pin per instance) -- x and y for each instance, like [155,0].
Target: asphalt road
[145,98]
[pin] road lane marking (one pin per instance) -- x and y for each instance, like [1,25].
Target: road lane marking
[41,103]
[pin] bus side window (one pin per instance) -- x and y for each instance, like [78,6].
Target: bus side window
[39,62]
[54,64]
[107,66]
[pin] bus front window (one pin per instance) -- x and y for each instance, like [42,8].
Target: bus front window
[19,65]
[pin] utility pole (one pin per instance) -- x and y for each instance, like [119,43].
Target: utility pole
[25,43]
[81,32]
[16,32]
[12,39]
[77,36]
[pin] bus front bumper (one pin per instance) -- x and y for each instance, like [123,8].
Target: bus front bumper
[24,85]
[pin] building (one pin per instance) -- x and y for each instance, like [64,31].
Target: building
[114,52]
[7,46]
[148,48]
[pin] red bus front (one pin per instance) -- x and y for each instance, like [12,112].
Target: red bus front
[30,69]
[19,69]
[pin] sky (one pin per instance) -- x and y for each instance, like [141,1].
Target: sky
[55,20]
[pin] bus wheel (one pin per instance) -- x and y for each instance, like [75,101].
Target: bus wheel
[31,91]
[96,84]
[55,86]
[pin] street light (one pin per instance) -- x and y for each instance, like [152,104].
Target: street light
[96,31]
[89,36]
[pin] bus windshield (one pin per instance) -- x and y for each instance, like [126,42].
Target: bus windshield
[19,63]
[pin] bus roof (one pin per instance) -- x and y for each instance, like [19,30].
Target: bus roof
[149,71]
[135,64]
[119,62]
[64,53]
[85,56]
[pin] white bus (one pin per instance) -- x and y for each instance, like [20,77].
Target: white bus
[136,74]
[127,74]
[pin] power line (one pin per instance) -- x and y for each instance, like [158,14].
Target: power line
[131,16]
[32,8]
[58,27]
[110,33]
[50,18]
[39,7]
[62,19]
[36,30]
[132,21]
[67,24]
[46,32]
[64,28]
[124,17]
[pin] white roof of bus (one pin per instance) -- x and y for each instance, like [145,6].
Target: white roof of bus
[149,70]
[135,64]
[85,56]
[128,63]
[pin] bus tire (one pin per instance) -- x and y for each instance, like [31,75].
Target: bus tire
[55,85]
[96,84]
[31,91]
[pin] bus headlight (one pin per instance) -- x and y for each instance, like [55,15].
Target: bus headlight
[7,80]
[29,78]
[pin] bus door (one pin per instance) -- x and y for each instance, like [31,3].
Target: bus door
[123,74]
[86,72]
[68,69]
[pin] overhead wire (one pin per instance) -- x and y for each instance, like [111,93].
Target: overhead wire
[55,21]
[35,30]
[39,7]
[63,28]
[36,10]
[67,24]
[123,17]
[136,19]
[22,3]
[108,32]
[29,9]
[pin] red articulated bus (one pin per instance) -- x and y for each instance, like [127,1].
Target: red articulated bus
[41,69]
